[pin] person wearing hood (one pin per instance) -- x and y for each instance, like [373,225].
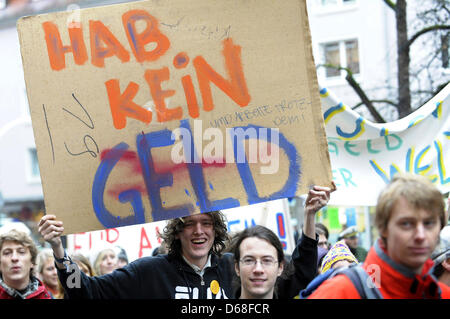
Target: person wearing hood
[122,257]
[410,213]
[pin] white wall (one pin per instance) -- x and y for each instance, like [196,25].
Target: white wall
[15,165]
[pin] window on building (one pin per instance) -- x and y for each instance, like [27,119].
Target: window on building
[341,53]
[336,2]
[332,56]
[34,165]
[352,55]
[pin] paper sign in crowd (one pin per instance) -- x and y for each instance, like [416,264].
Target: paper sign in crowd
[151,110]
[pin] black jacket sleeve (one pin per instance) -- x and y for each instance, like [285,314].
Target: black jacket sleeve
[123,283]
[300,271]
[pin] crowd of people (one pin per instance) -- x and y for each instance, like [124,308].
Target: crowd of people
[199,260]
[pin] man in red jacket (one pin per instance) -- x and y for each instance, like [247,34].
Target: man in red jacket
[409,216]
[17,259]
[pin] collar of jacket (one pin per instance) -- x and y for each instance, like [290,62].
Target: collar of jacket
[197,269]
[182,265]
[398,281]
[35,287]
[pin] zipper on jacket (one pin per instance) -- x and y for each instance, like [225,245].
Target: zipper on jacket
[202,282]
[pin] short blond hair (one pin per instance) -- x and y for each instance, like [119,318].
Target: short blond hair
[100,257]
[417,190]
[43,256]
[22,239]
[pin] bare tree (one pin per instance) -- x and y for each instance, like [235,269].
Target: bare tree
[432,20]
[432,23]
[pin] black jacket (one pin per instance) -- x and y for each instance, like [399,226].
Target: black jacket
[169,277]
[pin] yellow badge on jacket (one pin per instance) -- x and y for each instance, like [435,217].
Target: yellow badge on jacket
[214,286]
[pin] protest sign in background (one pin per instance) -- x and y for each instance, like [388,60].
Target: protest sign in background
[132,106]
[141,240]
[275,215]
[365,155]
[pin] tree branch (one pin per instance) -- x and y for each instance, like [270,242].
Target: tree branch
[426,30]
[390,4]
[376,101]
[359,91]
[352,82]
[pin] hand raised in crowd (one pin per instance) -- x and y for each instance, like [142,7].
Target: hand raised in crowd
[51,230]
[318,198]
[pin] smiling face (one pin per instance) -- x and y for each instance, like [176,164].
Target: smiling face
[411,235]
[258,268]
[15,264]
[197,238]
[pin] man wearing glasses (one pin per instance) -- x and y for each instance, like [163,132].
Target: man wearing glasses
[259,261]
[259,258]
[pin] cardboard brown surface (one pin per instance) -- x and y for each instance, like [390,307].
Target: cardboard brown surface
[107,87]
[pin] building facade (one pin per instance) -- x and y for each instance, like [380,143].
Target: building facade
[361,35]
[20,182]
[358,35]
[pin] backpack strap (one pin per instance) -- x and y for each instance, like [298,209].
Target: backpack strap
[360,280]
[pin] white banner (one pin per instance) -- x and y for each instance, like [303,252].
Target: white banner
[365,155]
[273,214]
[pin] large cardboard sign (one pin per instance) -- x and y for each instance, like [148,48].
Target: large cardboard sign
[141,240]
[152,110]
[366,155]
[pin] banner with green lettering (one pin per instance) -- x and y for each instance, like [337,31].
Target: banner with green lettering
[365,155]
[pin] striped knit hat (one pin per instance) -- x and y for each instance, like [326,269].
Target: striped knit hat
[337,252]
